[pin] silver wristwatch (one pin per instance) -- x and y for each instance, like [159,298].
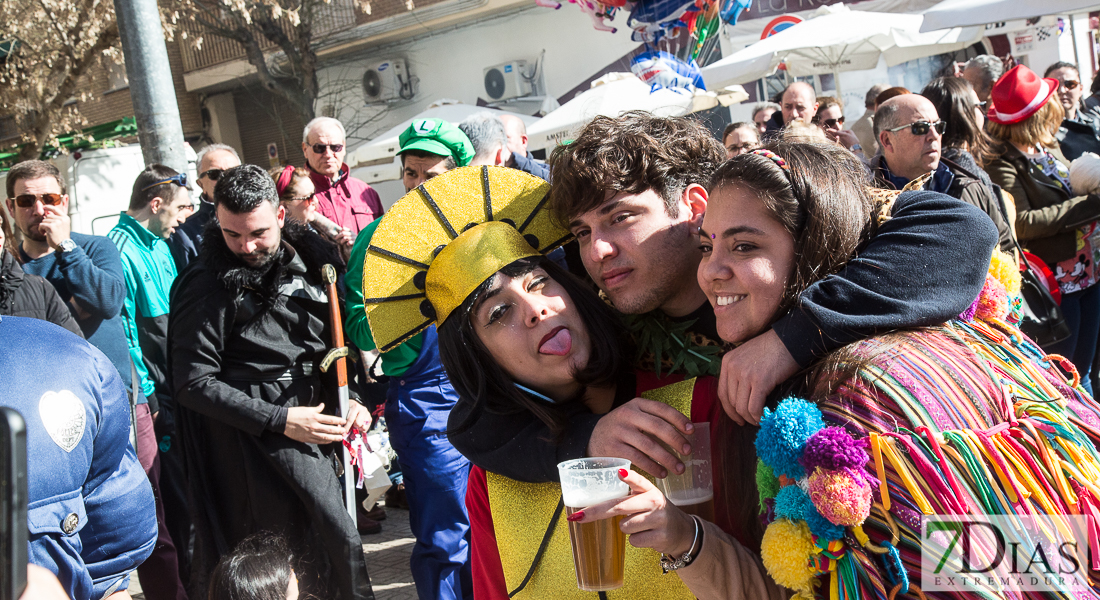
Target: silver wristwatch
[66,246]
[669,563]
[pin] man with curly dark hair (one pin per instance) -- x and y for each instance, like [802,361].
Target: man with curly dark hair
[633,190]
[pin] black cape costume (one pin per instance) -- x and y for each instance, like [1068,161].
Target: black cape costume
[245,346]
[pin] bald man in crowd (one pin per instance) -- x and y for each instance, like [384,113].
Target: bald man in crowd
[799,103]
[516,131]
[910,134]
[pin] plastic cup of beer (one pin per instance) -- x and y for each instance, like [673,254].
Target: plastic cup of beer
[599,548]
[693,490]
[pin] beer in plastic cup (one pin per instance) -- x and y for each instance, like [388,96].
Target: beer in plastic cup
[693,490]
[599,547]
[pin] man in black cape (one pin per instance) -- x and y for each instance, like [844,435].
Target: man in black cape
[249,325]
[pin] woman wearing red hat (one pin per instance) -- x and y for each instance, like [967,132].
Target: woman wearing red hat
[1052,221]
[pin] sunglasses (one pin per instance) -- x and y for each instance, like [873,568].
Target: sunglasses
[833,123]
[212,174]
[922,127]
[28,200]
[308,198]
[1071,84]
[320,148]
[179,179]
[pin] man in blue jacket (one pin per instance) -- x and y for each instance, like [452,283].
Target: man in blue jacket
[90,513]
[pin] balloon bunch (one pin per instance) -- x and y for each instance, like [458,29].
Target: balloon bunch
[691,26]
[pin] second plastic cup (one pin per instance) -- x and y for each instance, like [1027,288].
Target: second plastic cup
[599,547]
[693,490]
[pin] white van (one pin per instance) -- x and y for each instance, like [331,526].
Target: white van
[100,181]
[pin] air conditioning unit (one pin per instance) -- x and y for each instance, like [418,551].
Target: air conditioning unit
[506,81]
[385,80]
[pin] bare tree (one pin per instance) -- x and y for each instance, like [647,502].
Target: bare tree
[52,45]
[291,26]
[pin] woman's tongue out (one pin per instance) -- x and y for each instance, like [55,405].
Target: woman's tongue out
[558,342]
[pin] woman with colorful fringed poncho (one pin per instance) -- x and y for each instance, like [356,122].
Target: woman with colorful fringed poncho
[964,419]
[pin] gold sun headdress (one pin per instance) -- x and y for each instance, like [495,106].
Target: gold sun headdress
[441,241]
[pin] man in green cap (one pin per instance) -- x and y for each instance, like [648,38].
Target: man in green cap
[430,147]
[420,396]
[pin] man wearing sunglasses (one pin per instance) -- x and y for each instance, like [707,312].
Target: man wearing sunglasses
[343,199]
[909,132]
[84,269]
[212,161]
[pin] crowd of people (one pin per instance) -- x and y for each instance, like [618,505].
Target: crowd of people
[841,306]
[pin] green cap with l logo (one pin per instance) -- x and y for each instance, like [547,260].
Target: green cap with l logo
[437,137]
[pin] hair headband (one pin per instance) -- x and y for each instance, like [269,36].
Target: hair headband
[774,158]
[284,179]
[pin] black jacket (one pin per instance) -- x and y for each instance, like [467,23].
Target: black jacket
[186,241]
[1080,135]
[244,348]
[23,295]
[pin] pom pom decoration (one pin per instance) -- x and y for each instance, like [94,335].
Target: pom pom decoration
[793,503]
[1004,268]
[844,498]
[783,434]
[766,483]
[993,301]
[823,530]
[788,552]
[834,448]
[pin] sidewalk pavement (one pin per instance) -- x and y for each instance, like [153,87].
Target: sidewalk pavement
[387,560]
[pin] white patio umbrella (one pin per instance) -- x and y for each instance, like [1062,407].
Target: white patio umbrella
[614,94]
[841,40]
[384,147]
[964,13]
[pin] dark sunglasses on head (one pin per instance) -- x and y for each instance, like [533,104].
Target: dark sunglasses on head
[833,123]
[320,148]
[1071,84]
[28,200]
[922,127]
[179,179]
[212,174]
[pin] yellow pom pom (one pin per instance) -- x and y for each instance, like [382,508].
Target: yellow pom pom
[787,550]
[1004,267]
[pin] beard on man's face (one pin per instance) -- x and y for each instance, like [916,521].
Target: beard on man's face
[31,230]
[261,258]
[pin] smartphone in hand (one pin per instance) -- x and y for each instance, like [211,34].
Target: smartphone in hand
[13,504]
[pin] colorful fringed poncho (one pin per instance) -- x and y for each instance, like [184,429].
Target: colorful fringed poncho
[966,418]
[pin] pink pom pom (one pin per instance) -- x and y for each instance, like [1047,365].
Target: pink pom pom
[993,302]
[842,497]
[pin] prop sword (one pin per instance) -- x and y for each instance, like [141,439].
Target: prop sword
[339,354]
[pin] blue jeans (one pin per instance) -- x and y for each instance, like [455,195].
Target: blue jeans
[1082,312]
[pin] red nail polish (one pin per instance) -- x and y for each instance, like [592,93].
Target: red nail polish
[623,473]
[577,516]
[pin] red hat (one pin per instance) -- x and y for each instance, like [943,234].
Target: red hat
[1019,94]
